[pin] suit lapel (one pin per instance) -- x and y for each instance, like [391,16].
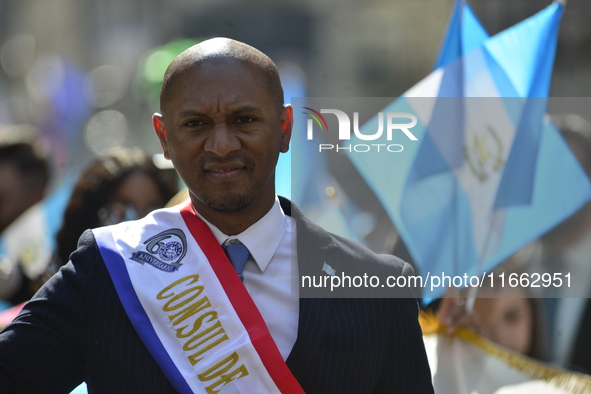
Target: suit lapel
[314,247]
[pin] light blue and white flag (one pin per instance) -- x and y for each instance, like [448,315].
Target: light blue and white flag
[489,172]
[305,178]
[464,33]
[316,191]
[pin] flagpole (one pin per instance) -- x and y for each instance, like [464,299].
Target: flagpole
[473,291]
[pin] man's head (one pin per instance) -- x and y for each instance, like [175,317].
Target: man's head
[223,125]
[219,49]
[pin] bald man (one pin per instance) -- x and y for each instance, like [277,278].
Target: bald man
[198,298]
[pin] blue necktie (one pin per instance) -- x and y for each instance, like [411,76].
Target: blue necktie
[238,255]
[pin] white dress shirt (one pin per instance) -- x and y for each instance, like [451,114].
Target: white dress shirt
[269,271]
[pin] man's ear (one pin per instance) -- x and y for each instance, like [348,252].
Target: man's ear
[286,125]
[160,129]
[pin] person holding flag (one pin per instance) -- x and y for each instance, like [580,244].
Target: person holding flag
[475,191]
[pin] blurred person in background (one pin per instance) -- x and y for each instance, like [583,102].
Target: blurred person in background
[24,177]
[508,316]
[567,249]
[122,185]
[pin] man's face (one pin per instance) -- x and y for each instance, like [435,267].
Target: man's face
[223,133]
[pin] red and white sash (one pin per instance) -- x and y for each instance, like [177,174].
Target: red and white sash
[189,307]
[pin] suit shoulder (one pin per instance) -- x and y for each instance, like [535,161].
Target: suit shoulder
[87,252]
[363,254]
[323,238]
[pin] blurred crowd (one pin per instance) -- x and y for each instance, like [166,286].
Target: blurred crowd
[123,184]
[126,184]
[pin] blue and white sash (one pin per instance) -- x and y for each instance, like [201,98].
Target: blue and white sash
[189,307]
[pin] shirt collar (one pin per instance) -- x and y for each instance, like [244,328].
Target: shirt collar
[262,238]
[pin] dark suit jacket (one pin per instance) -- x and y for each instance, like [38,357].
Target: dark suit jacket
[75,329]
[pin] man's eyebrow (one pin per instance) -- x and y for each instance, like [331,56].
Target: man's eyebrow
[190,112]
[248,109]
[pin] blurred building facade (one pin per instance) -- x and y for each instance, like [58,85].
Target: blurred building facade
[70,67]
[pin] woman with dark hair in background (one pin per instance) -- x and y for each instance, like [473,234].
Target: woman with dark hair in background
[123,185]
